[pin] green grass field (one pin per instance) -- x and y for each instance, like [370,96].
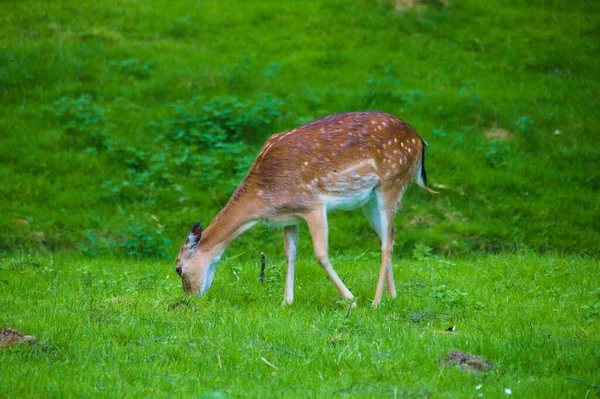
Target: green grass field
[123,123]
[112,327]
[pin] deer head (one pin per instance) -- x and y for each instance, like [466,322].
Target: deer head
[195,266]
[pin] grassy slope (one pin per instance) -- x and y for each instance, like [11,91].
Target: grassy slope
[111,327]
[451,72]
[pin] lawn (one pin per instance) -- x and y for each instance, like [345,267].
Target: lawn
[123,123]
[110,327]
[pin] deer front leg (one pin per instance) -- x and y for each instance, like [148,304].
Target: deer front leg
[290,241]
[317,224]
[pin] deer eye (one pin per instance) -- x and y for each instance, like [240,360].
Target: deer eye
[178,270]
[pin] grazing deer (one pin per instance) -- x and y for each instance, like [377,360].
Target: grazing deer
[342,161]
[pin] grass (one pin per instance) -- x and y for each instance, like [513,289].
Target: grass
[122,124]
[110,326]
[98,101]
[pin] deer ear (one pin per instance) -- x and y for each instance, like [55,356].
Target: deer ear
[194,235]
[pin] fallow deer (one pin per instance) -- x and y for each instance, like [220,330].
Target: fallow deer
[342,161]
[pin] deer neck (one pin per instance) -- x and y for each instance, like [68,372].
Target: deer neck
[233,220]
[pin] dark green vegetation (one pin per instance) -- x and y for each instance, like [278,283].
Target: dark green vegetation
[122,123]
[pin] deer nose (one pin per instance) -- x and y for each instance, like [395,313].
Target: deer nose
[178,270]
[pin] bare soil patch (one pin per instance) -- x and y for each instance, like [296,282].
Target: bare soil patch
[403,4]
[498,134]
[10,337]
[467,362]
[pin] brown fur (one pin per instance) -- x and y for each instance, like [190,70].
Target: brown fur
[290,160]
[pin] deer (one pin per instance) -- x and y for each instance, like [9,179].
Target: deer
[342,161]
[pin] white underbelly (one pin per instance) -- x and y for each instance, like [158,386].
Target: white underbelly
[283,220]
[347,201]
[350,188]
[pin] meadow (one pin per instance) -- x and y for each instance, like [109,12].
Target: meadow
[123,123]
[119,328]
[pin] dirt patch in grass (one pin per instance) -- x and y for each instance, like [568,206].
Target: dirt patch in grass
[467,362]
[422,221]
[403,4]
[498,134]
[10,337]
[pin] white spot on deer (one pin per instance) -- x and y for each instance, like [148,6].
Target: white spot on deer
[402,144]
[409,150]
[384,123]
[379,127]
[413,140]
[267,147]
[361,167]
[305,163]
[283,135]
[395,140]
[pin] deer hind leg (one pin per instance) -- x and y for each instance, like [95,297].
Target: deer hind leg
[380,211]
[290,240]
[389,277]
[381,224]
[317,224]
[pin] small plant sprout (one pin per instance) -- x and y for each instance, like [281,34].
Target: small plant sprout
[422,251]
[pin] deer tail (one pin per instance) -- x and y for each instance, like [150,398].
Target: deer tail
[422,176]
